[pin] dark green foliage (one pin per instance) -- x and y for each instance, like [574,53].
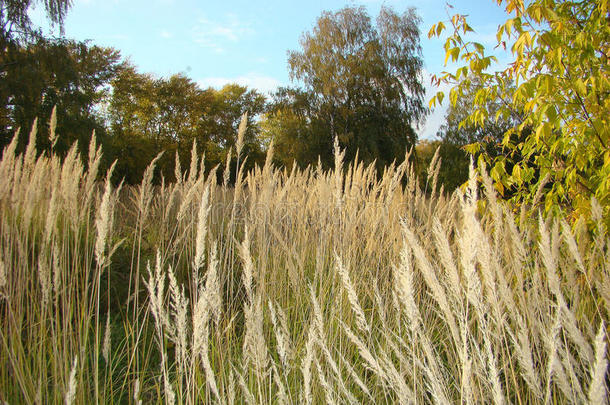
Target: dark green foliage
[73,76]
[148,115]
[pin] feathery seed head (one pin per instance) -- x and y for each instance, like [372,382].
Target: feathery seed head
[361,321]
[227,172]
[212,285]
[178,169]
[202,229]
[106,344]
[194,163]
[597,388]
[241,132]
[3,281]
[30,151]
[136,392]
[52,126]
[103,222]
[248,266]
[71,393]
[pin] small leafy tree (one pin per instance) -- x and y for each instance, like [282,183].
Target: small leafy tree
[560,66]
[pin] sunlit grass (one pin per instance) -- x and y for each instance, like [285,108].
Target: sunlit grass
[291,287]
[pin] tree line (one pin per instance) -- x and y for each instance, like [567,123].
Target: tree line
[539,123]
[356,78]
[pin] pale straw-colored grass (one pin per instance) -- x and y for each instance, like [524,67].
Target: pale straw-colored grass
[291,286]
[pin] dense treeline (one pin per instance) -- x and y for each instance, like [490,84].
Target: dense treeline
[134,115]
[359,80]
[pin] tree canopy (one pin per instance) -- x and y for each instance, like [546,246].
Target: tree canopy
[149,114]
[361,84]
[72,76]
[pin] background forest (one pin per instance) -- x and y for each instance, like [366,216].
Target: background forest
[356,77]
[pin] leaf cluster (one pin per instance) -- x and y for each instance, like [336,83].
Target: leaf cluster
[560,68]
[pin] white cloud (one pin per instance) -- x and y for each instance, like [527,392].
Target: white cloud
[213,34]
[166,34]
[262,83]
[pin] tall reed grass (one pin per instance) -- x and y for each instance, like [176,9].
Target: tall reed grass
[292,286]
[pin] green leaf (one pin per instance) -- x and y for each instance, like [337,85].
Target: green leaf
[473,148]
[517,175]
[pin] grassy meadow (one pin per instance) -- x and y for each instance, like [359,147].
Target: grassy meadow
[291,287]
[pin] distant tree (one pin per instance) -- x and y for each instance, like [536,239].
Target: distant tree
[148,115]
[221,117]
[292,124]
[361,83]
[425,150]
[162,110]
[73,76]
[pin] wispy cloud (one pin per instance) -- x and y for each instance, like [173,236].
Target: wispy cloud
[214,34]
[262,83]
[165,34]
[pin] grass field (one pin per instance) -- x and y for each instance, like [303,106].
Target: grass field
[291,286]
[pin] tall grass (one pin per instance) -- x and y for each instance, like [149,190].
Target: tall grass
[293,286]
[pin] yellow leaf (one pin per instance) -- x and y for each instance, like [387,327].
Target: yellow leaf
[580,86]
[440,28]
[455,53]
[453,95]
[508,26]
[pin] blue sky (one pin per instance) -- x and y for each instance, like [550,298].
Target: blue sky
[217,42]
